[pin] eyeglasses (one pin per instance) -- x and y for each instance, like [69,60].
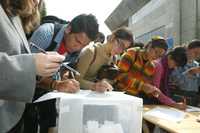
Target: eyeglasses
[121,44]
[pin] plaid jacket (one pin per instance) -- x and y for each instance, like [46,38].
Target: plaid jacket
[136,70]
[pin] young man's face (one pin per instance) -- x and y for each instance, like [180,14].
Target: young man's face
[76,41]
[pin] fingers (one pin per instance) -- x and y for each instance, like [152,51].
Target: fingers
[181,106]
[156,94]
[76,83]
[47,64]
[69,86]
[55,58]
[103,86]
[52,65]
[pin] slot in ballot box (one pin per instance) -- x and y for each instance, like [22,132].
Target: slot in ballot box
[92,112]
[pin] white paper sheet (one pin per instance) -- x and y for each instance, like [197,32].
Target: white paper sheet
[167,114]
[192,109]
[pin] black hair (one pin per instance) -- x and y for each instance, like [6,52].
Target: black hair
[194,44]
[159,43]
[100,37]
[87,24]
[124,33]
[139,44]
[179,56]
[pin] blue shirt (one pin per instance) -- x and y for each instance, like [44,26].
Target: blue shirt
[183,81]
[43,35]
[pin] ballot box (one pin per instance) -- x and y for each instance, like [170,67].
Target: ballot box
[92,112]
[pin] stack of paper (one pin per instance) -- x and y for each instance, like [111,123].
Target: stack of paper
[167,114]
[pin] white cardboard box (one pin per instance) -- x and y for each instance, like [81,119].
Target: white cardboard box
[90,112]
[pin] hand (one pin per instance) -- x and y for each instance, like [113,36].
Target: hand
[103,86]
[192,71]
[65,75]
[47,64]
[69,86]
[181,105]
[151,90]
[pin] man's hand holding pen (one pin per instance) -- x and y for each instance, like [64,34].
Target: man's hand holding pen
[51,62]
[47,64]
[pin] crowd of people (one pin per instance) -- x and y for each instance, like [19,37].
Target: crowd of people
[150,71]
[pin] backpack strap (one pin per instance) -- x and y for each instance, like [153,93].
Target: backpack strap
[94,56]
[53,44]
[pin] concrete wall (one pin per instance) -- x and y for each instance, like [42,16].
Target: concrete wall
[121,14]
[155,17]
[198,19]
[189,19]
[179,19]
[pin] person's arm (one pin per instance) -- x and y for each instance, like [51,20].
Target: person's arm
[17,77]
[168,101]
[67,85]
[18,67]
[42,37]
[156,81]
[83,65]
[193,70]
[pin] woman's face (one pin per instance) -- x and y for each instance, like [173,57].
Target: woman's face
[155,53]
[119,46]
[171,62]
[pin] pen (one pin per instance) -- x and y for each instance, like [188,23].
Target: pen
[63,64]
[70,68]
[37,47]
[72,74]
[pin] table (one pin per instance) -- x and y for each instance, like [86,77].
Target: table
[188,125]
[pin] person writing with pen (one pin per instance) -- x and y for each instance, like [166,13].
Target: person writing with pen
[19,67]
[68,40]
[93,57]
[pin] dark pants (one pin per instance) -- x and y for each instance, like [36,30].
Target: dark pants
[30,118]
[47,115]
[43,114]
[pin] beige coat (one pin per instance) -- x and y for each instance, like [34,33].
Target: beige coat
[89,71]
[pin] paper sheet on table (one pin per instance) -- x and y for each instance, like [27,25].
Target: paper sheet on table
[192,109]
[167,114]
